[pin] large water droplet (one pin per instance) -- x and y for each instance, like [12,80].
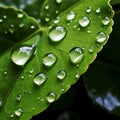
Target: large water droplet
[101,37]
[76,55]
[106,21]
[61,75]
[84,21]
[19,97]
[51,97]
[22,54]
[56,34]
[89,9]
[49,59]
[59,1]
[40,78]
[18,112]
[70,16]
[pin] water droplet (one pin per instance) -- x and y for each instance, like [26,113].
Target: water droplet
[77,76]
[49,59]
[32,26]
[56,34]
[40,78]
[46,7]
[56,11]
[21,55]
[76,55]
[11,29]
[106,21]
[98,10]
[47,19]
[21,25]
[88,31]
[22,77]
[1,20]
[51,97]
[59,1]
[89,9]
[20,15]
[57,20]
[4,16]
[1,103]
[61,75]
[19,97]
[91,49]
[12,115]
[101,37]
[5,73]
[70,16]
[84,21]
[18,112]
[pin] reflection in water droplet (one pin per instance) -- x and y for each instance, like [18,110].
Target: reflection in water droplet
[22,54]
[89,9]
[40,78]
[59,1]
[76,55]
[98,10]
[57,20]
[56,34]
[18,112]
[61,75]
[70,16]
[101,37]
[49,59]
[84,21]
[19,97]
[51,97]
[106,21]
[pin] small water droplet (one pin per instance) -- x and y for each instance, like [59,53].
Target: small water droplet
[59,1]
[32,26]
[77,76]
[1,103]
[40,78]
[88,31]
[19,97]
[22,54]
[4,16]
[46,7]
[106,21]
[84,21]
[57,12]
[76,55]
[20,15]
[89,9]
[33,108]
[11,29]
[22,77]
[1,20]
[57,20]
[101,37]
[70,16]
[61,74]
[51,97]
[31,71]
[91,49]
[5,73]
[18,112]
[49,59]
[98,10]
[21,25]
[56,34]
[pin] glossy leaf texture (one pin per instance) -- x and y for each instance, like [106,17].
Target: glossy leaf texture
[102,79]
[42,66]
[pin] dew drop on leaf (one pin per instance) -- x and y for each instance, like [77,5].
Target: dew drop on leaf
[19,97]
[47,19]
[22,54]
[51,97]
[106,21]
[101,37]
[20,15]
[76,55]
[98,10]
[70,16]
[57,33]
[18,112]
[32,27]
[4,16]
[61,74]
[46,7]
[1,20]
[49,59]
[57,20]
[91,49]
[40,78]
[58,1]
[89,9]
[84,21]
[77,76]
[21,25]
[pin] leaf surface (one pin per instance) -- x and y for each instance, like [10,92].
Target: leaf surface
[73,47]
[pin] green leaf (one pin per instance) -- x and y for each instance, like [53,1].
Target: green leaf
[114,2]
[102,79]
[57,57]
